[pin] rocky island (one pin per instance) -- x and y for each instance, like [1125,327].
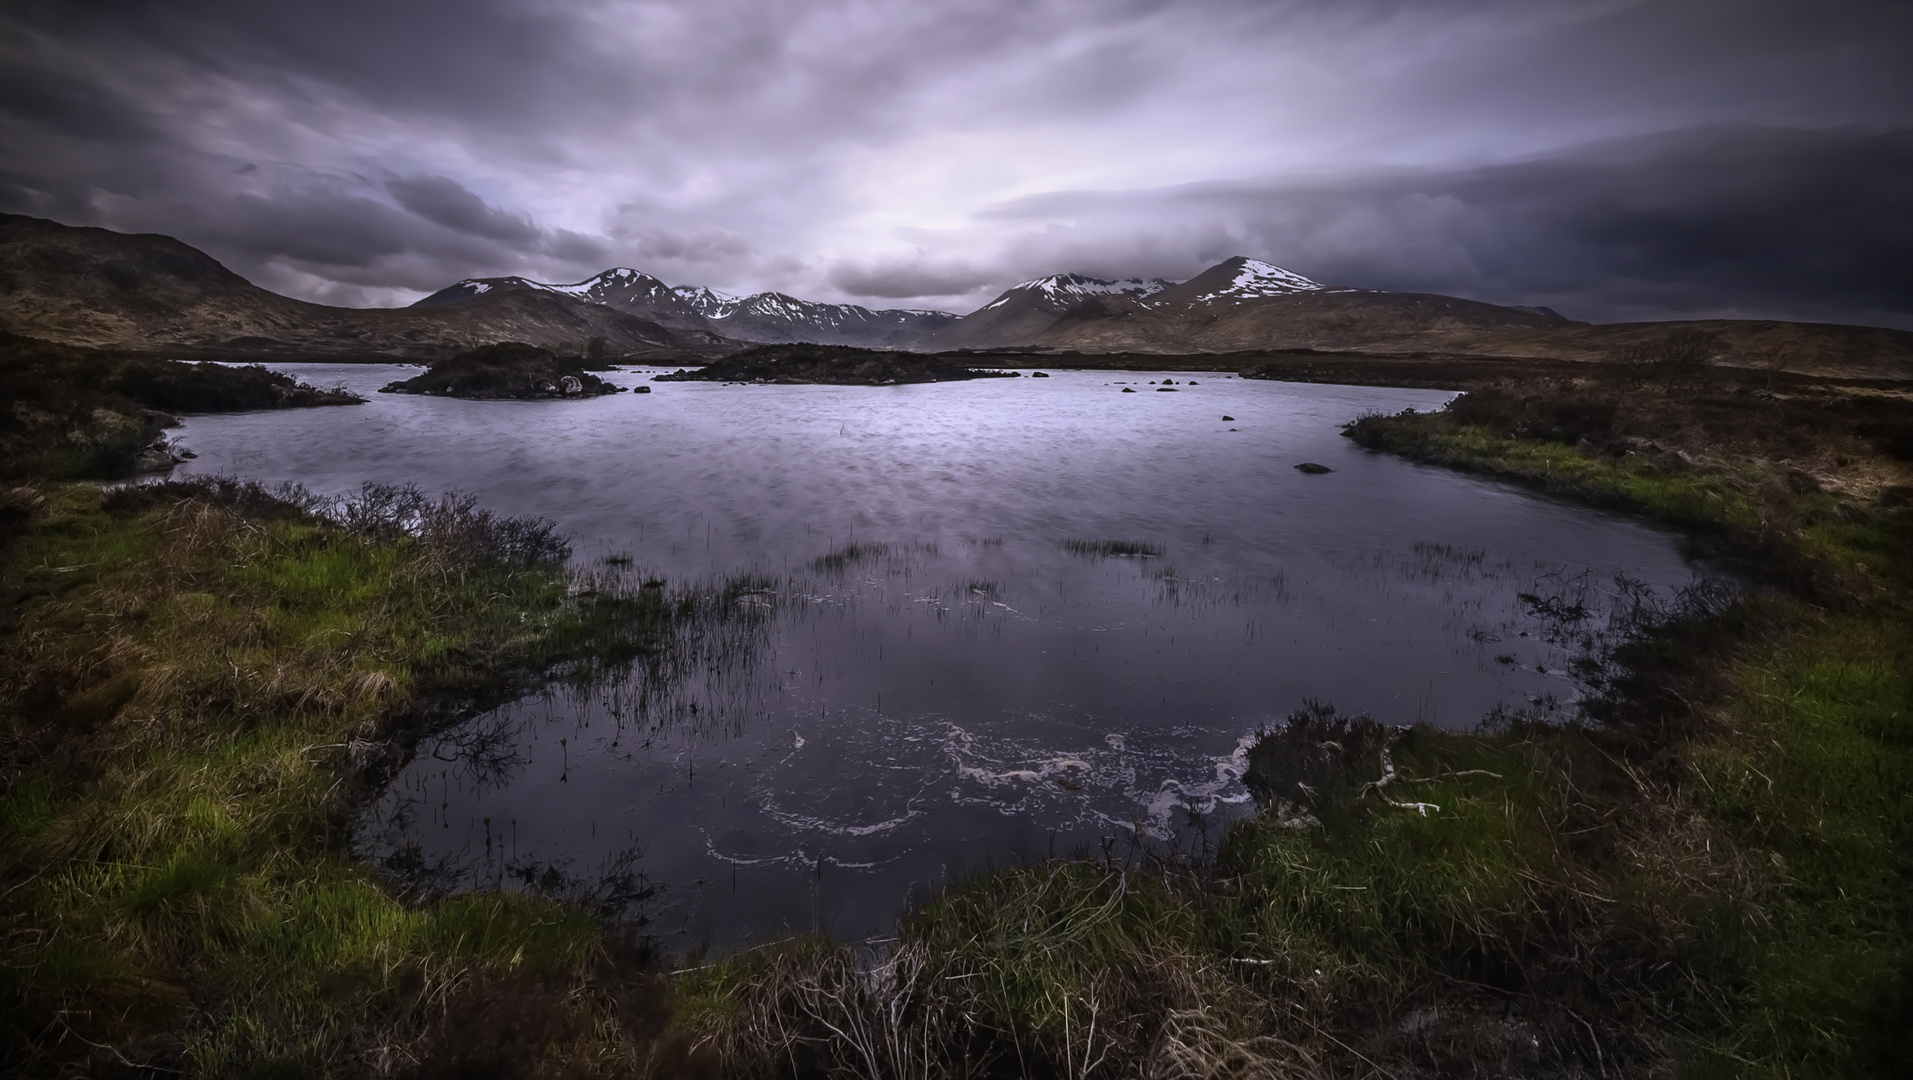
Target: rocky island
[837,365]
[509,369]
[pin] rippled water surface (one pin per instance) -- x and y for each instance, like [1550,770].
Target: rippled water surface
[939,664]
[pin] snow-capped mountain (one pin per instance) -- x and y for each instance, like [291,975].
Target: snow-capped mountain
[1061,305]
[1236,280]
[707,302]
[621,287]
[1060,291]
[763,317]
[777,317]
[1021,314]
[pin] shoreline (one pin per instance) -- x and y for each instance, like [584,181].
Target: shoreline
[1560,868]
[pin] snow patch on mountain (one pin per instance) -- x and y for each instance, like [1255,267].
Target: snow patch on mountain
[1256,279]
[708,302]
[1062,290]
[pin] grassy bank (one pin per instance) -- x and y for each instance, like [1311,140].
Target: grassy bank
[199,682]
[1795,737]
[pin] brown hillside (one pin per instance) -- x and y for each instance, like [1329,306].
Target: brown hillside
[151,293]
[1404,323]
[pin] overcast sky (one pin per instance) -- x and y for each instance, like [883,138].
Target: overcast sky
[1611,158]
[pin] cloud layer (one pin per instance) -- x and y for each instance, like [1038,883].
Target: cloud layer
[1613,159]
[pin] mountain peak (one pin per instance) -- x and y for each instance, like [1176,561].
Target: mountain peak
[1253,277]
[1059,291]
[1235,280]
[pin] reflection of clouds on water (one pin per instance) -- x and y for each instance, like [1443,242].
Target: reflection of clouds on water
[930,627]
[802,727]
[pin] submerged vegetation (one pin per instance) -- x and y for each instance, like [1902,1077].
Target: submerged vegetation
[1112,549]
[1708,876]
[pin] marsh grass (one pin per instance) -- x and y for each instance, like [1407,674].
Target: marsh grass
[192,710]
[1112,549]
[1784,727]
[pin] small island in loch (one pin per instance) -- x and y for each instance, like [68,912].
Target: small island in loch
[837,365]
[509,369]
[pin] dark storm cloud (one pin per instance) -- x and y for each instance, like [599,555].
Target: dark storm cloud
[442,57]
[365,152]
[445,201]
[1806,224]
[80,108]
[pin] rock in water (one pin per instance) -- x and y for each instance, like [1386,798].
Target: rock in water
[1313,469]
[159,456]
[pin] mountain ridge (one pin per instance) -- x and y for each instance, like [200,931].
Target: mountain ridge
[765,317]
[153,294]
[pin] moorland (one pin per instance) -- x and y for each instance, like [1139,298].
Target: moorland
[1706,874]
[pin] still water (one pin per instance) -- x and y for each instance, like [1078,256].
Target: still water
[939,664]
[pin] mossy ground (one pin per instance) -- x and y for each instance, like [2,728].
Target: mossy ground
[196,685]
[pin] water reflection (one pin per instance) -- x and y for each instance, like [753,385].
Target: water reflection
[895,713]
[944,626]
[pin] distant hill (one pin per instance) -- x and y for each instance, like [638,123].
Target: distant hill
[154,294]
[776,318]
[1024,312]
[622,288]
[1243,304]
[770,317]
[151,293]
[1237,304]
